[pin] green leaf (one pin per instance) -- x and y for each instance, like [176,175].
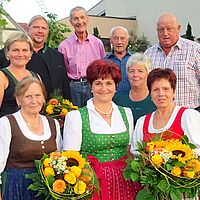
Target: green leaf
[135,177]
[144,195]
[185,139]
[175,194]
[135,166]
[35,186]
[38,163]
[163,185]
[34,176]
[126,174]
[169,167]
[50,179]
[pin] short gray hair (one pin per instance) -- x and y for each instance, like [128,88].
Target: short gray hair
[139,57]
[77,8]
[118,27]
[36,17]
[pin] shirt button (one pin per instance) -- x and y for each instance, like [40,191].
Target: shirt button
[42,142]
[43,146]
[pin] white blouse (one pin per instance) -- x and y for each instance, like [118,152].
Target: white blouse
[5,135]
[190,123]
[72,134]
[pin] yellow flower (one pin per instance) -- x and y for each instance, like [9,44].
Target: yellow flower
[150,146]
[80,187]
[59,186]
[180,151]
[157,160]
[64,111]
[74,159]
[75,107]
[195,164]
[49,109]
[76,170]
[49,170]
[46,162]
[189,173]
[70,178]
[65,101]
[176,171]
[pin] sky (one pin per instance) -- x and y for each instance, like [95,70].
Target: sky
[24,10]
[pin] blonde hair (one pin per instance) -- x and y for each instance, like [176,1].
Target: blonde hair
[21,36]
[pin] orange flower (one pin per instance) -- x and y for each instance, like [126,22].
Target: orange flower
[53,101]
[49,170]
[70,178]
[59,186]
[86,175]
[55,155]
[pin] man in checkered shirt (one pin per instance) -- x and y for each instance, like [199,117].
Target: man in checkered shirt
[180,55]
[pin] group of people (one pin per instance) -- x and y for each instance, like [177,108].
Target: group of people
[123,98]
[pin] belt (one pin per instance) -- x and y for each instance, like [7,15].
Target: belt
[82,79]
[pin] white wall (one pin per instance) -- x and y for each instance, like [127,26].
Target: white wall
[148,11]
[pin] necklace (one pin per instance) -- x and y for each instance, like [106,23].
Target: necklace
[31,125]
[105,113]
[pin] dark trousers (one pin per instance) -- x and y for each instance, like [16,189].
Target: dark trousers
[80,93]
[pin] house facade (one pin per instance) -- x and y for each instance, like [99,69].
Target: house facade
[147,12]
[11,27]
[104,24]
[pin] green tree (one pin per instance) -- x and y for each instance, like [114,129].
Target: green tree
[3,22]
[138,44]
[56,31]
[96,32]
[189,32]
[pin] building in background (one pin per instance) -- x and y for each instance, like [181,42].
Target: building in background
[147,13]
[11,27]
[103,26]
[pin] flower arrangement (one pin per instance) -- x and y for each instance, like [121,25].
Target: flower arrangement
[63,175]
[57,107]
[167,169]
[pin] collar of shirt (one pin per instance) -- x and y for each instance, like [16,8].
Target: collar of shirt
[43,50]
[77,40]
[178,45]
[90,105]
[111,54]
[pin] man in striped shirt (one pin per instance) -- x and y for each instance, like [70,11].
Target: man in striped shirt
[180,55]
